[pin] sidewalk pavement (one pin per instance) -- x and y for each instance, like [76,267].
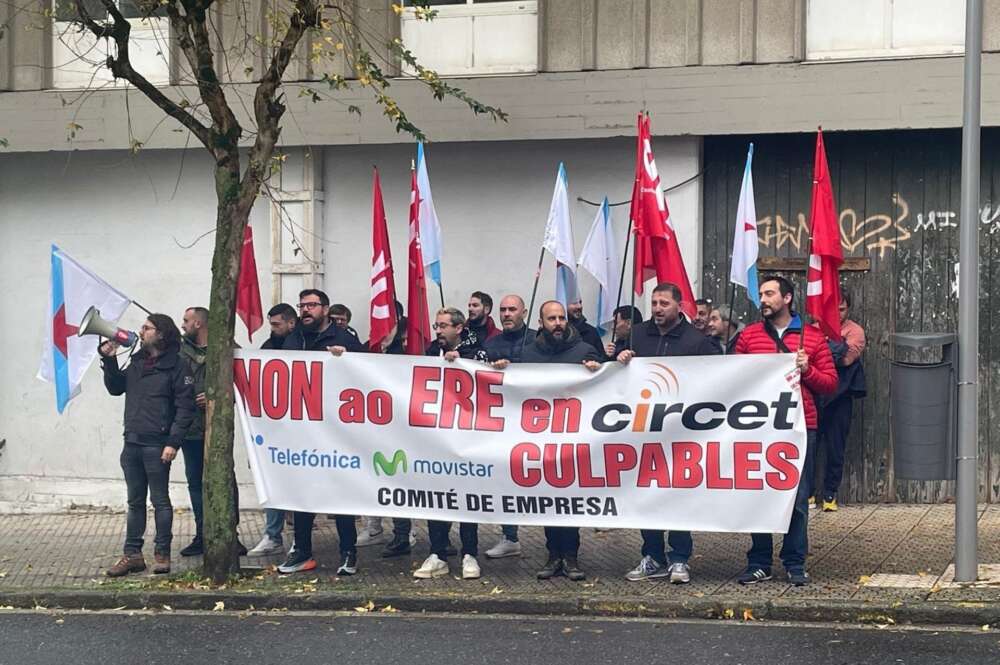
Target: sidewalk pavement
[880,564]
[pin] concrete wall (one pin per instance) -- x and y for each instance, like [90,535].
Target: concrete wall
[118,214]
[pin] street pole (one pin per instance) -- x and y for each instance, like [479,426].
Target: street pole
[966,538]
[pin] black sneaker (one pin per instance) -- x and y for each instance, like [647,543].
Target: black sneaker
[398,546]
[572,569]
[348,564]
[754,574]
[798,578]
[552,568]
[297,562]
[196,548]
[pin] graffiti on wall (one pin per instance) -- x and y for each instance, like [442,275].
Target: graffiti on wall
[879,232]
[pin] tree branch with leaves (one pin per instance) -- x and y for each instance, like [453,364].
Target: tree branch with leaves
[240,180]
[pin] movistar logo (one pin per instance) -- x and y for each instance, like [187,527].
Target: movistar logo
[389,468]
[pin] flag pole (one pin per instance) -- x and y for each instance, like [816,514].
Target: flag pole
[809,251]
[441,291]
[621,279]
[534,291]
[140,307]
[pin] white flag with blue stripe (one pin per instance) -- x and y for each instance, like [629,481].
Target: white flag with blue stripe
[430,230]
[743,270]
[65,355]
[559,240]
[599,257]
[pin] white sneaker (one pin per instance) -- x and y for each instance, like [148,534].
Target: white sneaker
[680,573]
[371,533]
[503,549]
[470,568]
[266,547]
[432,567]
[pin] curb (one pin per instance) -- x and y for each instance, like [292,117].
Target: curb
[825,611]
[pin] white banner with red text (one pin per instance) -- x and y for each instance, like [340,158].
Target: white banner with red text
[712,443]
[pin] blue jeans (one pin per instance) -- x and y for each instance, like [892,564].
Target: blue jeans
[401,527]
[681,545]
[562,541]
[795,544]
[510,532]
[146,473]
[274,522]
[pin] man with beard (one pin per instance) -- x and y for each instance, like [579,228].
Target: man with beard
[588,333]
[703,309]
[159,408]
[559,342]
[780,332]
[282,319]
[452,343]
[667,333]
[625,317]
[480,322]
[316,332]
[507,346]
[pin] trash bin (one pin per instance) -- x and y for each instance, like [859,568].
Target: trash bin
[922,401]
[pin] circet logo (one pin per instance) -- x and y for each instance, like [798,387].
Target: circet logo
[388,467]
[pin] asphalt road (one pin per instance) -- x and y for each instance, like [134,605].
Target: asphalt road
[281,638]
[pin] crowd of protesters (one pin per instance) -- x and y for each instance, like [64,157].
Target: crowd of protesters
[165,413]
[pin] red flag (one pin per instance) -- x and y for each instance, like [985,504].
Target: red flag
[418,324]
[656,251]
[383,305]
[248,305]
[825,257]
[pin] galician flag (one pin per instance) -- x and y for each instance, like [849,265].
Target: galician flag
[430,230]
[743,270]
[559,240]
[600,258]
[65,356]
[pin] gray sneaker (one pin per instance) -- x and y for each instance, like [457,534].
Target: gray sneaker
[680,573]
[648,569]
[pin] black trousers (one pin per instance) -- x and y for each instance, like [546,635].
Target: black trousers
[834,427]
[194,472]
[562,541]
[438,534]
[347,531]
[146,473]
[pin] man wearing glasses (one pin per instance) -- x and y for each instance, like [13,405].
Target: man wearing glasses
[316,332]
[453,342]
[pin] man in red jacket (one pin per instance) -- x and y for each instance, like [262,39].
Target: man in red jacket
[780,332]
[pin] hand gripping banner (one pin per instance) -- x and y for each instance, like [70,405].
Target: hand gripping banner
[692,443]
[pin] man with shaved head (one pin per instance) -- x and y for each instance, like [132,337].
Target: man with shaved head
[558,341]
[504,349]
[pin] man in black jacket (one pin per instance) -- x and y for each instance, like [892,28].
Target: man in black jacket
[159,409]
[316,332]
[282,319]
[453,342]
[588,333]
[626,316]
[508,345]
[667,334]
[559,342]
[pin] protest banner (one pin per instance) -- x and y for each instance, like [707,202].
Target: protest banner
[691,443]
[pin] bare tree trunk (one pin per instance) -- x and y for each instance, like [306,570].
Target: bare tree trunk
[221,558]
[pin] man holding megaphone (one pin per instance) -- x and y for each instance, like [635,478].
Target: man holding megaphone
[159,409]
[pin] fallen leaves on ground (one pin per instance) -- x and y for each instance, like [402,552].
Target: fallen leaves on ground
[365,608]
[748,614]
[219,606]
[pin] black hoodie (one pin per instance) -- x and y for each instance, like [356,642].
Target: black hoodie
[301,339]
